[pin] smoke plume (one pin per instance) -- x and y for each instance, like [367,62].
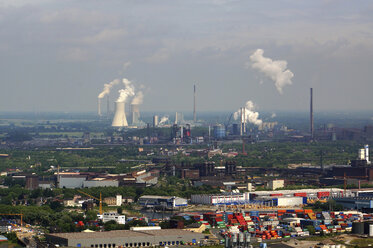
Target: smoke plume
[128,90]
[163,120]
[274,69]
[107,88]
[138,99]
[250,114]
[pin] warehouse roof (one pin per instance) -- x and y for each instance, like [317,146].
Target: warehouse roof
[155,197]
[122,233]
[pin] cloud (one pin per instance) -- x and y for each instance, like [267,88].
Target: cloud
[159,56]
[75,54]
[274,69]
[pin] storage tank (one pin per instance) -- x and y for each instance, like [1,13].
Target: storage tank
[358,228]
[367,226]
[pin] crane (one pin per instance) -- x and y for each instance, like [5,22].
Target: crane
[97,199]
[16,214]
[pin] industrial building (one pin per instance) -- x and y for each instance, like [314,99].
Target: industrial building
[358,203]
[169,202]
[125,238]
[73,181]
[221,199]
[309,193]
[120,219]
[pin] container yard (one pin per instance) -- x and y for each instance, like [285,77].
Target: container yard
[241,228]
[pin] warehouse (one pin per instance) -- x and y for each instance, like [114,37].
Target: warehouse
[309,193]
[125,238]
[355,202]
[162,201]
[221,199]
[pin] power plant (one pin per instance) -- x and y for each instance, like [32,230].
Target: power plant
[120,119]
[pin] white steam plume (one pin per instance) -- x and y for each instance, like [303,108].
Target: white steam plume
[273,115]
[163,120]
[107,88]
[274,69]
[250,114]
[138,99]
[128,91]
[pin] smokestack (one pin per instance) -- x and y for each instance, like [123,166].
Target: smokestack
[194,105]
[120,119]
[99,107]
[241,124]
[244,120]
[311,114]
[135,113]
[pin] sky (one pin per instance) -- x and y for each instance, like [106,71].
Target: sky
[57,55]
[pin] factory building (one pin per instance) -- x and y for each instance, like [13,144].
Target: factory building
[221,199]
[100,182]
[358,203]
[219,131]
[74,181]
[125,238]
[169,202]
[308,193]
[120,219]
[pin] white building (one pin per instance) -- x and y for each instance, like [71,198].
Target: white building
[276,184]
[221,199]
[120,219]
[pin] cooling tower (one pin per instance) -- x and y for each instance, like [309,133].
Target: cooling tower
[120,119]
[135,114]
[99,107]
[155,121]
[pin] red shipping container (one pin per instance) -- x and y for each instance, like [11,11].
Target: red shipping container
[300,194]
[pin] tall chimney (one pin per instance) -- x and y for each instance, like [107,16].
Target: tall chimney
[194,105]
[120,119]
[311,114]
[241,123]
[99,107]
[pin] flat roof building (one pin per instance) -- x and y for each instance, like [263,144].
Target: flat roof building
[125,238]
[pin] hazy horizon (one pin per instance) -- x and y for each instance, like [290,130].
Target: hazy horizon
[56,56]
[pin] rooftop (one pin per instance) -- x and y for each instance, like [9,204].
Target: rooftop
[122,233]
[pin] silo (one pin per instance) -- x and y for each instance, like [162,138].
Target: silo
[358,228]
[367,226]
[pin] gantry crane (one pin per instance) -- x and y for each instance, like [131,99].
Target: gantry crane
[99,200]
[16,214]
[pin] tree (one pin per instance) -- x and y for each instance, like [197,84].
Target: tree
[119,210]
[311,229]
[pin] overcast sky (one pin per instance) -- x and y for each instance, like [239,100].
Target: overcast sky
[57,55]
